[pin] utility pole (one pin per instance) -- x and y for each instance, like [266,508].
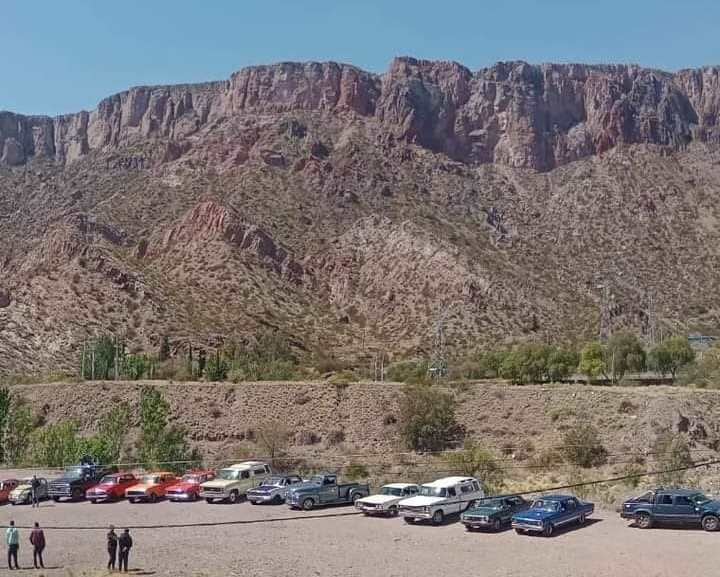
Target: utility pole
[439,365]
[605,313]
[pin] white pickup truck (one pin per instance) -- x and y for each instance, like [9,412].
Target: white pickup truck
[436,500]
[386,501]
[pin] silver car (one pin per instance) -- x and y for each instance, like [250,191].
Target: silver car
[273,489]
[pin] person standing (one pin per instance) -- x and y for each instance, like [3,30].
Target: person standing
[126,543]
[35,491]
[12,539]
[37,539]
[112,545]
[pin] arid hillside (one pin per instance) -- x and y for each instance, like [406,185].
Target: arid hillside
[349,211]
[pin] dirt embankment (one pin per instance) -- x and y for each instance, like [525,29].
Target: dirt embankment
[325,419]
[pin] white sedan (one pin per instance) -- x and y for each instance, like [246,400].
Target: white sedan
[386,501]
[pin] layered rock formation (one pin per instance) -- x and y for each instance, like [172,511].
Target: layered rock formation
[513,113]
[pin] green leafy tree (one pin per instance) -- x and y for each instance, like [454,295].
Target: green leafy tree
[217,368]
[561,364]
[592,362]
[427,417]
[135,366]
[164,353]
[5,403]
[526,363]
[671,355]
[107,445]
[477,461]
[100,358]
[56,445]
[623,353]
[20,425]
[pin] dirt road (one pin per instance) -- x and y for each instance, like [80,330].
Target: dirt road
[354,545]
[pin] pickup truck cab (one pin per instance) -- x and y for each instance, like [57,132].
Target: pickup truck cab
[436,500]
[111,487]
[150,487]
[232,483]
[188,488]
[673,506]
[386,501]
[76,480]
[551,512]
[22,494]
[493,513]
[324,490]
[7,485]
[273,489]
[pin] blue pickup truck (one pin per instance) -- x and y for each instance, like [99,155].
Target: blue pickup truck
[551,512]
[673,506]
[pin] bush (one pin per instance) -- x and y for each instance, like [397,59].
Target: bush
[411,372]
[272,437]
[20,425]
[427,418]
[217,368]
[5,403]
[57,445]
[671,452]
[476,461]
[582,446]
[671,355]
[356,471]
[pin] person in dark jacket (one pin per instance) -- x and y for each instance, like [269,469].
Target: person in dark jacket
[35,491]
[125,542]
[37,539]
[112,545]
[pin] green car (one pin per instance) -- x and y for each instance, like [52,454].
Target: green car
[492,513]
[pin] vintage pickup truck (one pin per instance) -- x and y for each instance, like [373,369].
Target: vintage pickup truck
[22,494]
[188,487]
[551,512]
[150,487]
[324,490]
[232,483]
[76,480]
[493,513]
[673,506]
[386,501]
[443,497]
[273,489]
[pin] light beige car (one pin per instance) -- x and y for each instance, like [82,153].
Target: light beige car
[233,482]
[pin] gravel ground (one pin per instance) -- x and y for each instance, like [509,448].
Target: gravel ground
[332,545]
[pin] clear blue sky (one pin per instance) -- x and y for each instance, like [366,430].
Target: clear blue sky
[61,56]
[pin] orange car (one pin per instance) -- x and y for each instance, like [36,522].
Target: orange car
[6,486]
[150,487]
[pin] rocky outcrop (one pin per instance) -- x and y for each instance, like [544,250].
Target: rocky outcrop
[513,113]
[210,221]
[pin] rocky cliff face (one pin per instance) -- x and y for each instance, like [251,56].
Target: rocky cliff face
[513,113]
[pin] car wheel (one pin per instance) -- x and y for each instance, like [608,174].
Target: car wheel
[76,495]
[437,517]
[93,501]
[133,501]
[193,497]
[643,520]
[393,511]
[56,499]
[410,520]
[355,498]
[497,525]
[208,500]
[278,499]
[548,530]
[234,497]
[581,520]
[153,498]
[519,531]
[308,504]
[254,502]
[710,523]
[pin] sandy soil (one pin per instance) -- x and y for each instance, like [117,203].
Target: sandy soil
[291,543]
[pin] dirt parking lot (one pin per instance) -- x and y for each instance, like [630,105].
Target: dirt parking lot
[290,543]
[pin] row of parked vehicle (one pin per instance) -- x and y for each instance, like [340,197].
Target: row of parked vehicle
[431,502]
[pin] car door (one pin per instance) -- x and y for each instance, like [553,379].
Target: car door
[685,510]
[329,490]
[664,509]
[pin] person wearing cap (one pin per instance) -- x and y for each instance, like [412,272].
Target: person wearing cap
[112,545]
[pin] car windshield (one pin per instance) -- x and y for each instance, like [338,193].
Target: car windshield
[150,479]
[109,481]
[272,482]
[545,505]
[428,491]
[699,498]
[74,472]
[489,503]
[228,474]
[191,478]
[317,479]
[393,491]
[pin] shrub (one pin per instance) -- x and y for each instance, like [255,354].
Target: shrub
[476,461]
[20,424]
[135,367]
[411,372]
[5,402]
[56,445]
[272,437]
[427,418]
[356,471]
[671,355]
[591,360]
[627,407]
[216,369]
[582,446]
[671,452]
[336,437]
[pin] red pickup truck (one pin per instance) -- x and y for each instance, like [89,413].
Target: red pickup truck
[188,488]
[111,487]
[7,485]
